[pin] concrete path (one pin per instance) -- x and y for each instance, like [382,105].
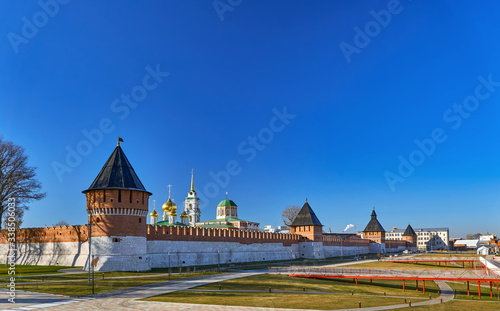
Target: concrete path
[127,299]
[114,300]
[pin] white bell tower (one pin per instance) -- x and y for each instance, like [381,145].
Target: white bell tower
[192,204]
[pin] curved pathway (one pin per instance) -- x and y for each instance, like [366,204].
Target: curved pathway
[128,299]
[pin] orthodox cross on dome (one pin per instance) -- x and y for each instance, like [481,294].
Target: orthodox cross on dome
[226,194]
[169,189]
[154,204]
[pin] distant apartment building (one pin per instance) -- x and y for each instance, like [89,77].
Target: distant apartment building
[428,239]
[279,229]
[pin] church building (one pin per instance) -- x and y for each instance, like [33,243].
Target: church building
[227,218]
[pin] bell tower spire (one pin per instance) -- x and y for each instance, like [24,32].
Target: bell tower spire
[192,204]
[192,181]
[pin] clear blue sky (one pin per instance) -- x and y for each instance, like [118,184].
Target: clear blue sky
[362,86]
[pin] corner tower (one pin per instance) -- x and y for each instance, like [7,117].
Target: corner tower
[117,208]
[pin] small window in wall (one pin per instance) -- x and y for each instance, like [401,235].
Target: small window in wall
[140,219]
[116,240]
[97,219]
[111,200]
[119,195]
[143,198]
[104,196]
[130,196]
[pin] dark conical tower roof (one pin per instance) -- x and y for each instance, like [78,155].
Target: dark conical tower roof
[306,217]
[374,225]
[117,173]
[409,231]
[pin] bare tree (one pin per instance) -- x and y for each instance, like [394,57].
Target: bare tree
[61,223]
[289,214]
[473,236]
[17,180]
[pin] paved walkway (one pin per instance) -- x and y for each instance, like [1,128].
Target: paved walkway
[127,299]
[115,300]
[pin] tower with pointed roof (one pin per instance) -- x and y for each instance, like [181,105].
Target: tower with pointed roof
[410,236]
[374,230]
[192,205]
[117,208]
[307,224]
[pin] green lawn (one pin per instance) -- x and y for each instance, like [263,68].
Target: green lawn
[461,290]
[276,300]
[286,283]
[448,255]
[458,305]
[401,266]
[31,270]
[81,288]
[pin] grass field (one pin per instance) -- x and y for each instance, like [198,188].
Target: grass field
[450,255]
[270,300]
[81,288]
[458,305]
[368,294]
[31,270]
[401,266]
[286,283]
[461,291]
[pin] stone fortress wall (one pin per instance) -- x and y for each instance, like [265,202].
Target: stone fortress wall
[188,246]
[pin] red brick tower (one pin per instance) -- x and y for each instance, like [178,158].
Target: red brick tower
[374,230]
[410,236]
[307,224]
[117,207]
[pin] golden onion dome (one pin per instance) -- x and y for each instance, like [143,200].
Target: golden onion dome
[167,206]
[154,213]
[184,215]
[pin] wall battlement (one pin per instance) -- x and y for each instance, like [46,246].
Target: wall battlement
[176,233]
[78,233]
[350,241]
[396,243]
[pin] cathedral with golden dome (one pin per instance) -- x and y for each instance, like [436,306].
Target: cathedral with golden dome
[227,213]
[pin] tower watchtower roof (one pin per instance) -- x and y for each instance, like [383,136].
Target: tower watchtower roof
[117,173]
[409,231]
[374,225]
[306,217]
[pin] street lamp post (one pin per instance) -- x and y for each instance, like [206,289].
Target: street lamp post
[218,261]
[341,248]
[92,274]
[90,245]
[169,269]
